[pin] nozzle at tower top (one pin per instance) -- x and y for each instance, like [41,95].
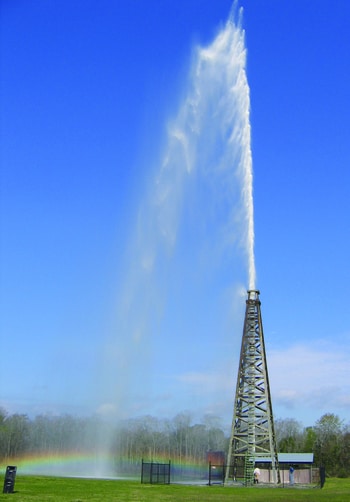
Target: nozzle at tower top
[253,294]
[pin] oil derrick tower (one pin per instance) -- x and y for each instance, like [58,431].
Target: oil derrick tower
[252,435]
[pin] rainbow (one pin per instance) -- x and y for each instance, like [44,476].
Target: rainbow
[99,465]
[64,464]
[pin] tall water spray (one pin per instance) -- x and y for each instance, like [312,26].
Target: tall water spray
[208,156]
[195,225]
[210,141]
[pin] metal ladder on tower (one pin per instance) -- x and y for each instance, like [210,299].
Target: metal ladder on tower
[249,471]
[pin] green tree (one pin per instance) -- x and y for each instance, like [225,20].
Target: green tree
[344,467]
[328,431]
[309,439]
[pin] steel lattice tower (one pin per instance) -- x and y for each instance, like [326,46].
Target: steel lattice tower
[252,434]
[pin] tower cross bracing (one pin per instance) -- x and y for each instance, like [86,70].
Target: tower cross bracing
[252,433]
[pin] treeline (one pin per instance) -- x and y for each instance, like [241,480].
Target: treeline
[328,439]
[178,439]
[127,442]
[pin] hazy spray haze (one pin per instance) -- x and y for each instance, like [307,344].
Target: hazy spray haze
[189,259]
[202,188]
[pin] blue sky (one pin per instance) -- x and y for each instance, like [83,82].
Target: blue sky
[88,92]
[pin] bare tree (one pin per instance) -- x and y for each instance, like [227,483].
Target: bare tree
[289,435]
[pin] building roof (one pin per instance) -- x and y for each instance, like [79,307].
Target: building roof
[290,458]
[296,458]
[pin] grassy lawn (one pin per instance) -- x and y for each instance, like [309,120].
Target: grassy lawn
[44,489]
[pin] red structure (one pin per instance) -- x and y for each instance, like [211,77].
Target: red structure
[216,457]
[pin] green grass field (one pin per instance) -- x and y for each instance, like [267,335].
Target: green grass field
[44,489]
